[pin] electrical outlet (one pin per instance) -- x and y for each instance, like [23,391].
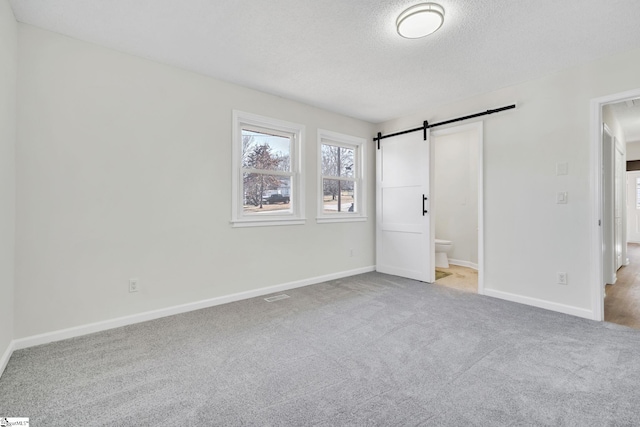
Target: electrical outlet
[562,278]
[351,252]
[133,285]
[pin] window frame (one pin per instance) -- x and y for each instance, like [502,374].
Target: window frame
[358,145]
[254,122]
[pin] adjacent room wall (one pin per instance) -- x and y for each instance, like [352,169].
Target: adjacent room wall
[633,150]
[8,65]
[528,237]
[456,193]
[124,172]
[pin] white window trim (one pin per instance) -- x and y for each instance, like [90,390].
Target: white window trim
[359,145]
[296,217]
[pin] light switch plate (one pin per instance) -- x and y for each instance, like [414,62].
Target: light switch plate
[562,198]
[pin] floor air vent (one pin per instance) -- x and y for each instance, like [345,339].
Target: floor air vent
[276,298]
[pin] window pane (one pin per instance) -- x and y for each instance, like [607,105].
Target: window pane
[347,162]
[266,193]
[265,152]
[329,160]
[637,193]
[338,196]
[338,161]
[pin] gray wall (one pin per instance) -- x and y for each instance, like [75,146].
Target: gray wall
[124,171]
[8,58]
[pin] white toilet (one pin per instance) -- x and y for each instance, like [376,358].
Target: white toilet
[442,249]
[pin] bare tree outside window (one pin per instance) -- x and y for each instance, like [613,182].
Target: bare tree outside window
[256,184]
[338,183]
[267,171]
[265,158]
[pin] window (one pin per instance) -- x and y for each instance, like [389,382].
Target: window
[341,185]
[266,180]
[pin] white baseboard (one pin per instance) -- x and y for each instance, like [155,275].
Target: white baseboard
[547,305]
[463,263]
[170,311]
[6,356]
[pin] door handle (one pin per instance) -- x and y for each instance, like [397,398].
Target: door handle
[424,199]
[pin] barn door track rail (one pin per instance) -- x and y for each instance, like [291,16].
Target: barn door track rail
[426,125]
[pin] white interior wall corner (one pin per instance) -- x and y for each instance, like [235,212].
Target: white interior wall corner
[8,76]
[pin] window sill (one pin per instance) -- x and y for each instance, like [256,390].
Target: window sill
[266,222]
[329,220]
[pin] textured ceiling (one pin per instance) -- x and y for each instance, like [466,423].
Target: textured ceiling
[344,55]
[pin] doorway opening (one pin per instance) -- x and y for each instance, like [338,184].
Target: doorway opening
[405,232]
[456,206]
[622,292]
[610,203]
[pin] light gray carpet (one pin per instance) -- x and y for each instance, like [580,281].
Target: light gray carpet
[368,350]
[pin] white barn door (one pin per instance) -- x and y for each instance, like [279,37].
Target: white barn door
[404,235]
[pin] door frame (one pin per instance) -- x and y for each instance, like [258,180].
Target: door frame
[608,207]
[478,127]
[621,230]
[631,188]
[595,130]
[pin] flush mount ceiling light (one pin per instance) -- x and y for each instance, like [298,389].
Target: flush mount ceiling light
[420,20]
